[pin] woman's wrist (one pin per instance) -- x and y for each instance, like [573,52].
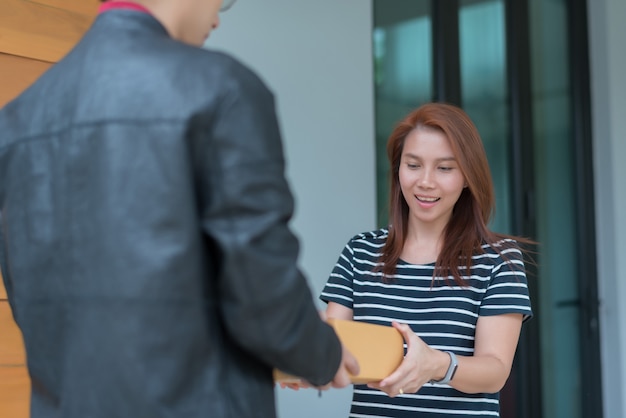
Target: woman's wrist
[442,363]
[450,371]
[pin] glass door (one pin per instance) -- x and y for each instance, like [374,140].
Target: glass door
[403,74]
[506,63]
[485,97]
[571,388]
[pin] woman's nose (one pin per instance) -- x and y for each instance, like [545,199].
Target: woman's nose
[426,178]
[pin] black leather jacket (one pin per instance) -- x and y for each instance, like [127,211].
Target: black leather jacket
[144,232]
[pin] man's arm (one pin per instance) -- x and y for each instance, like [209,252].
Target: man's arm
[266,303]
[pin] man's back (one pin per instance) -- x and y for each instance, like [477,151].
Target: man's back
[139,241]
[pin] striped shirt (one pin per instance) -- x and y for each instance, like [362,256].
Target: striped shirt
[439,311]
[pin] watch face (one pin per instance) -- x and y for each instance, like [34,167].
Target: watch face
[456,366]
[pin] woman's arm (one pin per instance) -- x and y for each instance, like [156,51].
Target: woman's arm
[486,371]
[494,348]
[337,311]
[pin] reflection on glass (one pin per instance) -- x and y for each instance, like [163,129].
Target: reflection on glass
[556,225]
[403,65]
[403,74]
[484,92]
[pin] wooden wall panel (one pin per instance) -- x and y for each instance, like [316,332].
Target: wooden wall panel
[3,292]
[17,73]
[83,7]
[14,392]
[14,380]
[12,347]
[44,30]
[33,34]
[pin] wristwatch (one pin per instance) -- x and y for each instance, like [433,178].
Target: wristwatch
[454,364]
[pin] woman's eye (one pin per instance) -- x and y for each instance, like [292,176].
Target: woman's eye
[412,165]
[445,168]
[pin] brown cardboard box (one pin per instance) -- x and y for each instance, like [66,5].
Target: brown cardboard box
[378,349]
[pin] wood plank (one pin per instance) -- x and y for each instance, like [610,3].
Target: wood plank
[12,351]
[17,73]
[83,7]
[43,29]
[14,392]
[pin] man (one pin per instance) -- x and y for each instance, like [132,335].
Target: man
[144,237]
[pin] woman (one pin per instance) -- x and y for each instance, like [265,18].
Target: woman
[455,290]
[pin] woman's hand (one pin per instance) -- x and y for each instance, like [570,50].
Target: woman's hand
[485,371]
[421,364]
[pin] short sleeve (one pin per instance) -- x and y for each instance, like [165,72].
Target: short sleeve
[339,287]
[508,288]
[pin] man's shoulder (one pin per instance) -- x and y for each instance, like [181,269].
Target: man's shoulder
[212,56]
[210,65]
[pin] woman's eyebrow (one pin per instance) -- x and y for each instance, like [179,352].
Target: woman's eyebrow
[439,160]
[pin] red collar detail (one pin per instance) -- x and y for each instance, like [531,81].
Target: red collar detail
[128,5]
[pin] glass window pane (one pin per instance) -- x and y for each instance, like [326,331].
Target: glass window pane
[403,74]
[556,211]
[484,92]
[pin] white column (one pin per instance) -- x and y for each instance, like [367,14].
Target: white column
[316,56]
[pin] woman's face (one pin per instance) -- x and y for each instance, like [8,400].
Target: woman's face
[430,177]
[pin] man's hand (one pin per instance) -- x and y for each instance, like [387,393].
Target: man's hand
[349,366]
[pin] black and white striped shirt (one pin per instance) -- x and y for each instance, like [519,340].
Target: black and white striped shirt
[440,312]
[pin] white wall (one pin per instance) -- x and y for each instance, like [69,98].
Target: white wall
[316,56]
[608,66]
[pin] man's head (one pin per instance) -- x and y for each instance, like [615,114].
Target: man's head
[189,21]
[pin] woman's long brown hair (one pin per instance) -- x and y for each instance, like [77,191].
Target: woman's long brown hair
[467,229]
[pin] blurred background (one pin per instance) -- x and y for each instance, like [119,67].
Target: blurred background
[543,81]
